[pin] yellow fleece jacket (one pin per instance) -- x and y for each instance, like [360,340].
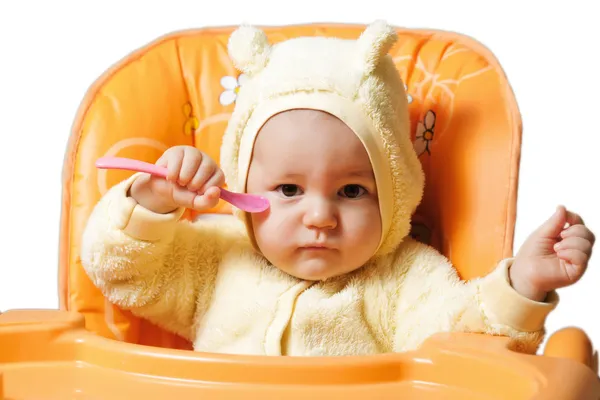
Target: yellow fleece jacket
[204,281]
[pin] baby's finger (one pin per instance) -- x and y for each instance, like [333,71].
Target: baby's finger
[574,219]
[574,264]
[208,200]
[576,258]
[217,179]
[174,158]
[182,197]
[578,231]
[204,172]
[162,160]
[574,243]
[191,161]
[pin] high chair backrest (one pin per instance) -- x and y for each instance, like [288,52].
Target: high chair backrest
[181,88]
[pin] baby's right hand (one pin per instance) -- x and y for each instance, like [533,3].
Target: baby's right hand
[193,181]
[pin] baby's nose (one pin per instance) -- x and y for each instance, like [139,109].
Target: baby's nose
[320,214]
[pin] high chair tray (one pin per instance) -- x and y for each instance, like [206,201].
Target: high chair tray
[50,355]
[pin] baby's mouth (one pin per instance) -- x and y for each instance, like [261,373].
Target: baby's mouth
[316,246]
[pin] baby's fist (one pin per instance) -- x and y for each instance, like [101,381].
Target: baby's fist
[193,181]
[553,256]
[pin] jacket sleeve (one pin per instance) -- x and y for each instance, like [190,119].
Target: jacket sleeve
[432,298]
[158,267]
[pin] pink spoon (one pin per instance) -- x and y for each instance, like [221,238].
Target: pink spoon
[245,202]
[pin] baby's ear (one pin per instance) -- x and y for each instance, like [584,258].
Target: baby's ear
[374,44]
[249,49]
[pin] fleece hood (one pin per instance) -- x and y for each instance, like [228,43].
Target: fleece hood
[355,81]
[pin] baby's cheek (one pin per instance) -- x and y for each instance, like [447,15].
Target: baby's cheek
[273,226]
[364,226]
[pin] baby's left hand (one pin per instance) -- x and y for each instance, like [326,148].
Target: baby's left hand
[553,256]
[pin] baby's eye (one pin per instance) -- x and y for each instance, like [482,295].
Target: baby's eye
[352,191]
[289,190]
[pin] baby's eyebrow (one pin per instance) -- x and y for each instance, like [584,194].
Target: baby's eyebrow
[362,173]
[358,173]
[290,175]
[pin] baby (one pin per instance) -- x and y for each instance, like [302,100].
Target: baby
[321,129]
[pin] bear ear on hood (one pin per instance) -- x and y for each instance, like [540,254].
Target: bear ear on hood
[374,44]
[249,49]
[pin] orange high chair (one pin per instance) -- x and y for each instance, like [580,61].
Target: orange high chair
[180,89]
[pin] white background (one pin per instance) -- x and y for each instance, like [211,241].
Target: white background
[50,52]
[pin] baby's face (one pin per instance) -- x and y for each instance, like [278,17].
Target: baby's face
[324,217]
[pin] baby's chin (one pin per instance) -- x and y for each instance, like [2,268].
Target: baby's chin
[315,270]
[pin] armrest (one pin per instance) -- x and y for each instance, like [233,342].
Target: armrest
[572,343]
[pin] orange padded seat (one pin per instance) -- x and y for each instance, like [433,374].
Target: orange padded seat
[181,88]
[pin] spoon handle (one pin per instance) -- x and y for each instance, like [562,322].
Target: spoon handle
[246,202]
